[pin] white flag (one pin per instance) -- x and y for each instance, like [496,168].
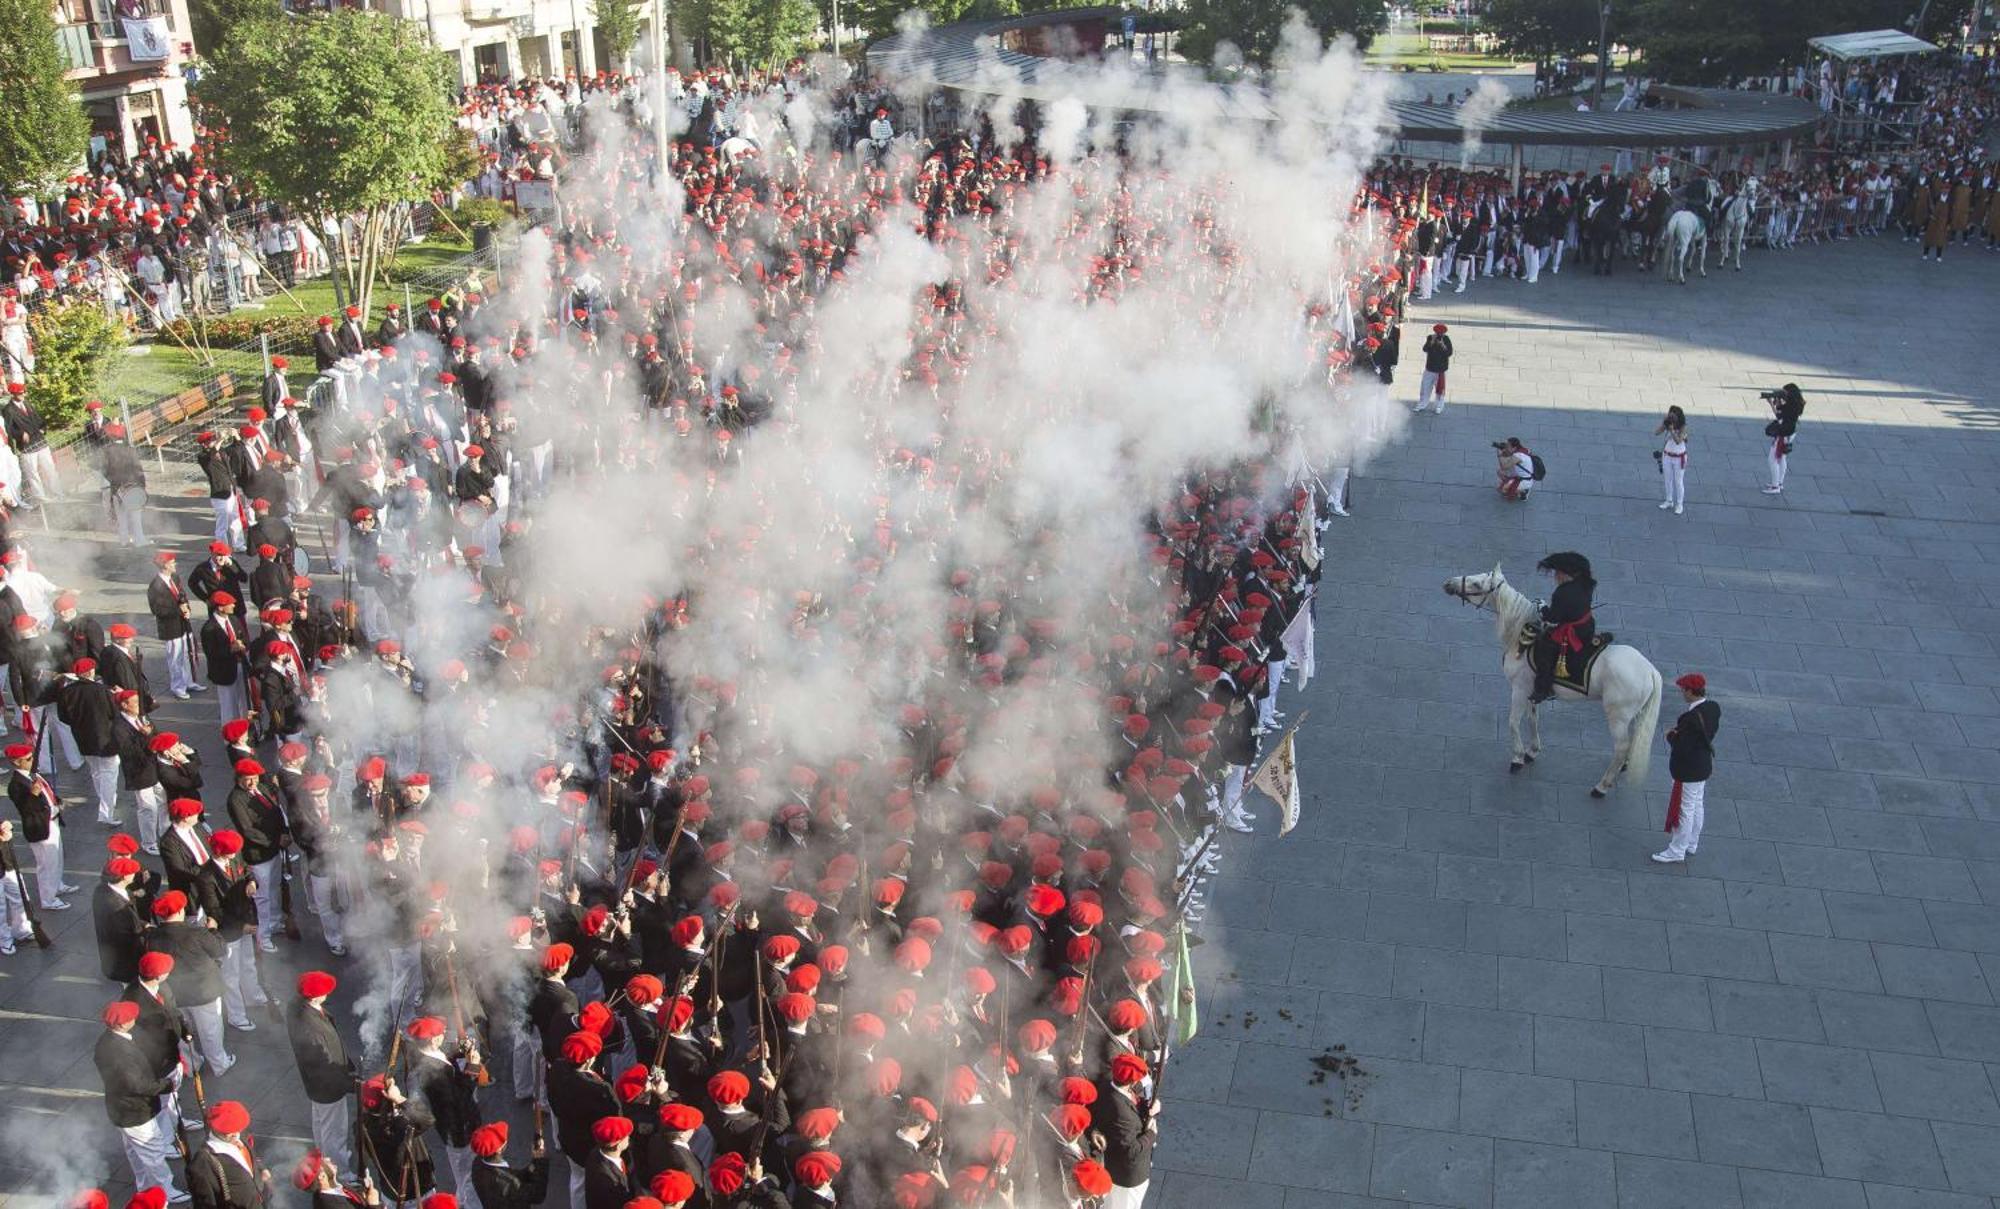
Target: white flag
[1278,776]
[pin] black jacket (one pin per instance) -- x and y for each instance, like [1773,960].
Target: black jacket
[161,1027]
[1128,1147]
[441,1096]
[37,811]
[84,705]
[219,1182]
[182,865]
[578,1099]
[120,933]
[132,1086]
[258,815]
[225,898]
[197,954]
[606,1183]
[324,1067]
[225,665]
[165,602]
[502,1187]
[1691,742]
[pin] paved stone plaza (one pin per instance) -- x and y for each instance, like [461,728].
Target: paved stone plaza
[1804,1017]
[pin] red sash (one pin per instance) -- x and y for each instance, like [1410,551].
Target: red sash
[1674,808]
[1565,635]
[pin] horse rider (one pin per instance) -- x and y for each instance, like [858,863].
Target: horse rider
[1700,196]
[1566,622]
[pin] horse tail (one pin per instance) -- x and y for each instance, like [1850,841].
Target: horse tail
[1639,752]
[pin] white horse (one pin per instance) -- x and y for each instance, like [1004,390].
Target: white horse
[1623,679]
[1736,221]
[1685,234]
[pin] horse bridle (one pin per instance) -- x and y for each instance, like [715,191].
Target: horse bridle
[1485,595]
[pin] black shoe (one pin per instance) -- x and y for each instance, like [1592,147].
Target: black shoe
[1540,695]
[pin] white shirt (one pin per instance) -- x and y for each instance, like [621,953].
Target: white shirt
[1522,466]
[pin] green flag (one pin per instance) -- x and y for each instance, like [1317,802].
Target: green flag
[1180,991]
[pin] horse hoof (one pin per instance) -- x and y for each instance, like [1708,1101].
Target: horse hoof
[1516,766]
[1595,792]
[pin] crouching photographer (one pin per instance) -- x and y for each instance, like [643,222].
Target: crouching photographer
[1518,469]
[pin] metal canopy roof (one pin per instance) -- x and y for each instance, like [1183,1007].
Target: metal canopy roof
[1871,44]
[967,56]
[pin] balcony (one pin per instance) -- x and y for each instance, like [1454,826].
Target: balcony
[90,36]
[73,43]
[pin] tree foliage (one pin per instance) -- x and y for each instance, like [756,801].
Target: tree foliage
[750,33]
[1543,30]
[75,344]
[1702,41]
[345,114]
[212,20]
[43,130]
[619,23]
[1256,27]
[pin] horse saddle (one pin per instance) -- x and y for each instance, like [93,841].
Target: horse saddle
[1572,667]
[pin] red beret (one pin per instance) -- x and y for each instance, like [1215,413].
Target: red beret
[673,1187]
[556,956]
[608,1130]
[1693,682]
[119,1013]
[1091,1177]
[426,1028]
[249,768]
[1125,1015]
[729,1087]
[173,902]
[228,1117]
[795,1007]
[817,1124]
[184,808]
[315,983]
[1127,1069]
[680,1115]
[155,965]
[582,1046]
[489,1140]
[817,1168]
[226,842]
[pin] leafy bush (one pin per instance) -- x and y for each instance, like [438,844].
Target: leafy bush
[229,330]
[479,210]
[75,345]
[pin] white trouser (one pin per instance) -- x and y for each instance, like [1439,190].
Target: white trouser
[53,731]
[49,865]
[1430,386]
[1465,268]
[1687,836]
[576,1184]
[406,981]
[232,701]
[1126,1198]
[128,505]
[146,1149]
[180,664]
[266,897]
[1267,709]
[39,471]
[1778,461]
[320,889]
[14,905]
[527,1059]
[460,1158]
[1336,488]
[1232,788]
[1531,262]
[104,785]
[152,803]
[1556,256]
[332,1128]
[207,1019]
[240,989]
[1673,473]
[1426,275]
[228,522]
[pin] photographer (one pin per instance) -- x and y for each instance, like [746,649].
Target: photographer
[1673,459]
[1787,405]
[1516,469]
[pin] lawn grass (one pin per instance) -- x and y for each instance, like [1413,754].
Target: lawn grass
[1406,49]
[151,369]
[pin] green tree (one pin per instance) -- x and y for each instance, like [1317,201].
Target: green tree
[345,114]
[1544,30]
[619,23]
[1703,41]
[75,344]
[213,20]
[1256,27]
[43,130]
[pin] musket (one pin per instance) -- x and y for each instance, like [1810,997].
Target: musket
[481,1077]
[291,924]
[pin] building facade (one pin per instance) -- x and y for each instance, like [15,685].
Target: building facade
[128,58]
[499,40]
